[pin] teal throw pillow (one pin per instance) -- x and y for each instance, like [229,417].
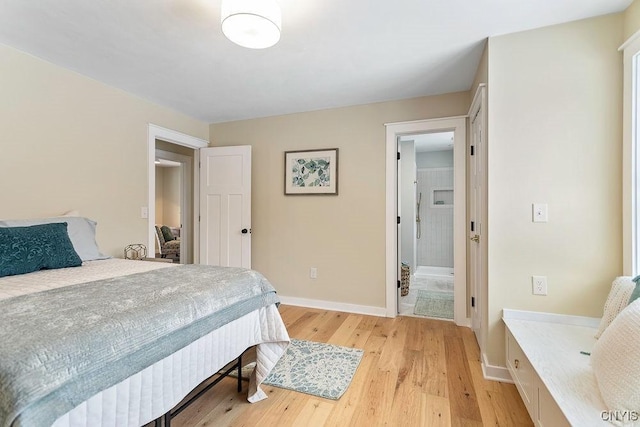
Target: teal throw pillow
[37,247]
[167,234]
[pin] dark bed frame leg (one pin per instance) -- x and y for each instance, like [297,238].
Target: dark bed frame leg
[165,420]
[239,373]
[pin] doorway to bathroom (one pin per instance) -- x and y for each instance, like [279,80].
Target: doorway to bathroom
[426,198]
[401,212]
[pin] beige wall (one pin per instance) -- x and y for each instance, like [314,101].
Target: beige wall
[555,121]
[343,236]
[70,142]
[631,22]
[168,196]
[482,73]
[159,195]
[171,207]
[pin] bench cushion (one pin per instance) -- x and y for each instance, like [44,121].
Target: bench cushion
[616,361]
[618,299]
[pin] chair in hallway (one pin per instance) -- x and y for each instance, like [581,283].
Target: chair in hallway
[168,248]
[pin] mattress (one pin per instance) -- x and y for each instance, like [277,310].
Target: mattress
[153,391]
[21,284]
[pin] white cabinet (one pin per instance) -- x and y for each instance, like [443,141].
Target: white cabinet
[542,408]
[522,373]
[548,414]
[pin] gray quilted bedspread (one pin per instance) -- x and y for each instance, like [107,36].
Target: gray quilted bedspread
[62,346]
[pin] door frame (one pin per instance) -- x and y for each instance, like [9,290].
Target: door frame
[155,132]
[456,124]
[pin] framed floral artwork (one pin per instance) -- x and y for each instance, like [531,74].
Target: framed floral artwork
[311,172]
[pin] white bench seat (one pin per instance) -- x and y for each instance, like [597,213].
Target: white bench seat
[554,378]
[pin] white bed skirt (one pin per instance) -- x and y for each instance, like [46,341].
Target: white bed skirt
[152,392]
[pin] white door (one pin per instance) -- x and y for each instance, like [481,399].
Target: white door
[225,206]
[399,228]
[475,234]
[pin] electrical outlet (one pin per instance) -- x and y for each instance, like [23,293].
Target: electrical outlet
[144,212]
[539,284]
[313,273]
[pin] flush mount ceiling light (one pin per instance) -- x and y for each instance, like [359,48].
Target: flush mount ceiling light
[251,23]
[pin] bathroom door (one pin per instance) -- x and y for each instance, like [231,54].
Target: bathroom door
[399,229]
[475,230]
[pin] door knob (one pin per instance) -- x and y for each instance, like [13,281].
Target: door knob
[245,231]
[475,238]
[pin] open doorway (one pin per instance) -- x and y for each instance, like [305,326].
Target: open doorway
[396,216]
[183,149]
[426,197]
[173,203]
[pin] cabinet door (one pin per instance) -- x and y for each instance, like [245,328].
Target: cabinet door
[549,414]
[522,374]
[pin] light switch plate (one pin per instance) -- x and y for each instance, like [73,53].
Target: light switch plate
[540,212]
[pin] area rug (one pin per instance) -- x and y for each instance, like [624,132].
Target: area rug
[434,304]
[319,369]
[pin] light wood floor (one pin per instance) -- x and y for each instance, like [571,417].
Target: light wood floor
[415,372]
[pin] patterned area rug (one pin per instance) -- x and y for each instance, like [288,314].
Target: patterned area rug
[434,304]
[319,369]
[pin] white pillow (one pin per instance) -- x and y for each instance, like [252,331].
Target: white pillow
[618,299]
[616,362]
[82,232]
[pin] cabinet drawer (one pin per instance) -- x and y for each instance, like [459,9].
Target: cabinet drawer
[522,374]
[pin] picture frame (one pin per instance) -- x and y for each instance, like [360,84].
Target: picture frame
[311,172]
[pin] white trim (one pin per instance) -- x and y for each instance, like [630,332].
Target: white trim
[157,132]
[176,137]
[495,373]
[632,39]
[466,322]
[422,121]
[333,306]
[539,316]
[477,98]
[630,236]
[393,131]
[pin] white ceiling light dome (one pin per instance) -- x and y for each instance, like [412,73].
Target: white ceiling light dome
[251,23]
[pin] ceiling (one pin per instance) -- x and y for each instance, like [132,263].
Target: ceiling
[332,53]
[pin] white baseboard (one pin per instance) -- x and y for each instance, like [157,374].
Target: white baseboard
[466,322]
[495,373]
[335,306]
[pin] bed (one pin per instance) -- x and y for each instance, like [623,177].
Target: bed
[177,341]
